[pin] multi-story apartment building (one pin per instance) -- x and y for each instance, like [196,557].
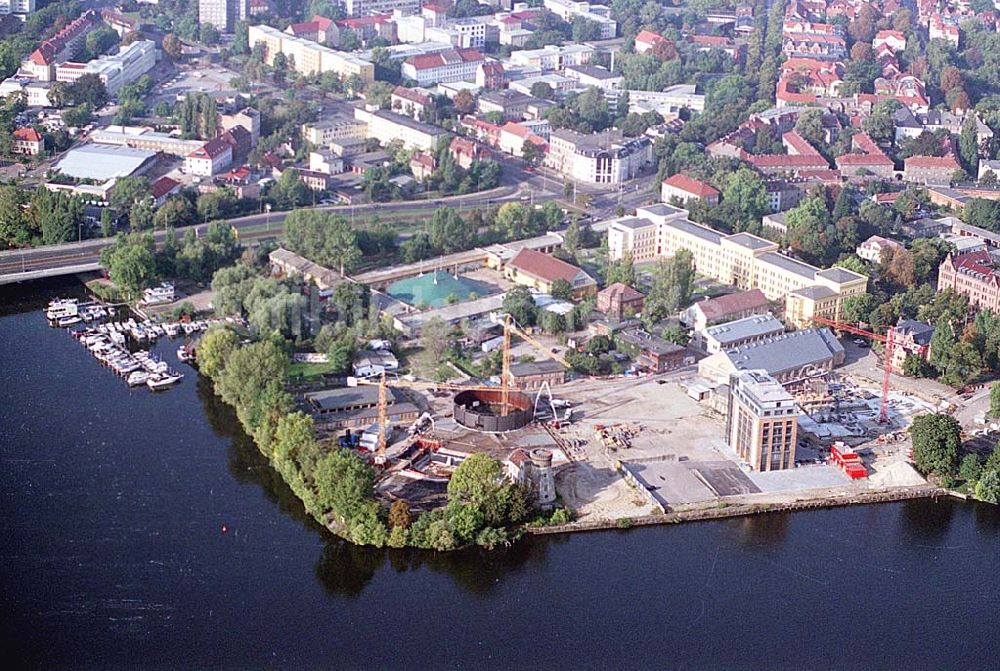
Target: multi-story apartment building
[599,158]
[974,275]
[19,7]
[309,57]
[114,70]
[761,421]
[599,14]
[386,126]
[414,103]
[513,105]
[930,170]
[742,260]
[36,93]
[223,14]
[552,57]
[453,65]
[322,133]
[61,47]
[363,7]
[248,118]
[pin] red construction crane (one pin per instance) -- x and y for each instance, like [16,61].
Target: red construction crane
[890,345]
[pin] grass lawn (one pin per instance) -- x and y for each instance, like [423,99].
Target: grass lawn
[308,371]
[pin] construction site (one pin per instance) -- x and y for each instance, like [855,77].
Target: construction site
[629,447]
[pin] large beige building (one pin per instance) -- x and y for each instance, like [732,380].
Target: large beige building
[309,57]
[761,422]
[741,260]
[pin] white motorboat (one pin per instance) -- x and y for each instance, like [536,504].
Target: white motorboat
[68,320]
[185,354]
[61,311]
[138,378]
[171,329]
[163,380]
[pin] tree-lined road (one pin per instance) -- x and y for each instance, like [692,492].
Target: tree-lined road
[27,264]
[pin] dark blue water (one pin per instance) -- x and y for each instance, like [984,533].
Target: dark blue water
[112,556]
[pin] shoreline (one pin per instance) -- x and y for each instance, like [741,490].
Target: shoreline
[715,512]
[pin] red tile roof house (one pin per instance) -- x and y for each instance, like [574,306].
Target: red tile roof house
[422,166]
[726,308]
[213,156]
[931,170]
[28,141]
[646,40]
[869,159]
[162,188]
[686,188]
[617,298]
[537,270]
[466,152]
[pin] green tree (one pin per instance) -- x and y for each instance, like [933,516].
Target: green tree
[214,350]
[449,232]
[130,262]
[89,89]
[176,212]
[562,289]
[810,126]
[936,442]
[968,144]
[78,116]
[532,153]
[476,479]
[324,238]
[622,270]
[58,215]
[748,192]
[971,468]
[99,41]
[988,487]
[809,231]
[520,305]
[673,282]
[252,382]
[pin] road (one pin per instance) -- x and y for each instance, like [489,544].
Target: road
[23,264]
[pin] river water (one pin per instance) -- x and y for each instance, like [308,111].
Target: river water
[113,503]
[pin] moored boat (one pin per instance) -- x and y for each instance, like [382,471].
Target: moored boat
[163,380]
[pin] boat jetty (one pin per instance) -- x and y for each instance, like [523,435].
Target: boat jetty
[120,345]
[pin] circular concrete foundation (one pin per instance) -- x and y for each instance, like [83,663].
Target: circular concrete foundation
[480,409]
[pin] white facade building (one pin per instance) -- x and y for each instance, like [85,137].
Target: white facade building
[599,14]
[387,126]
[663,102]
[213,157]
[20,7]
[453,65]
[600,158]
[115,70]
[365,7]
[223,14]
[552,57]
